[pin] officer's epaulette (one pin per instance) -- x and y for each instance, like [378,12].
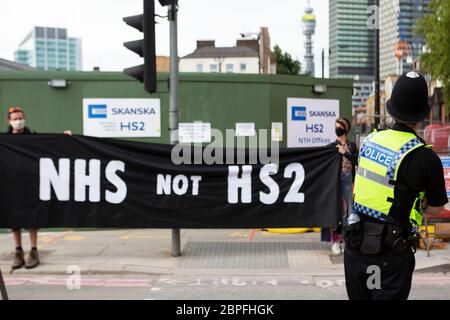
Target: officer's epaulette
[375,130]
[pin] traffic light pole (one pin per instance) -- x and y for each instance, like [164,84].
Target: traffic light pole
[377,65]
[173,105]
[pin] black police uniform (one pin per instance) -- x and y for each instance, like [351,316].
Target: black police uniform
[420,170]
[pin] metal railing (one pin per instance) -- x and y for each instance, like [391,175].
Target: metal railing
[363,125]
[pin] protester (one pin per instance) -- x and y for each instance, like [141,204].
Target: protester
[349,152]
[16,125]
[16,120]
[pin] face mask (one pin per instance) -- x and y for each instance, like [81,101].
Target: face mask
[340,131]
[18,124]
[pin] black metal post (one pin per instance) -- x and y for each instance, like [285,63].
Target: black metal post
[323,63]
[3,287]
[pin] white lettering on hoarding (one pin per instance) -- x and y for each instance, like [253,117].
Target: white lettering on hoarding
[87,175]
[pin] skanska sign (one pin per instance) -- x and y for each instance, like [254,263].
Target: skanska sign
[125,118]
[311,122]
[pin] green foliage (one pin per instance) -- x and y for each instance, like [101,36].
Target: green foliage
[285,63]
[435,29]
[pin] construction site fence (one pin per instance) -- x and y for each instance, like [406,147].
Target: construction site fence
[436,133]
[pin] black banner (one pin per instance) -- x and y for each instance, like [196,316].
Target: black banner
[60,181]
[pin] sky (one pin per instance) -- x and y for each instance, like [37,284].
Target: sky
[99,24]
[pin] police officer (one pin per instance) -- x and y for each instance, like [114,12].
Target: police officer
[398,179]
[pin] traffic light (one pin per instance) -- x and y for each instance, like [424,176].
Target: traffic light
[145,23]
[145,48]
[167,2]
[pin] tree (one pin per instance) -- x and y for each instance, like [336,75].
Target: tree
[435,29]
[285,63]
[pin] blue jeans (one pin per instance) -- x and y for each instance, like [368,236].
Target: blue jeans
[346,184]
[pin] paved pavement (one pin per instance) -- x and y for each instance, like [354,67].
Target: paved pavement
[216,264]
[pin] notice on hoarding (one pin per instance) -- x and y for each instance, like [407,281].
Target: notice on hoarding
[277,131]
[195,132]
[245,129]
[311,122]
[122,118]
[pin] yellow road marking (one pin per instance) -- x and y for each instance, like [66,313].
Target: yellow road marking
[49,240]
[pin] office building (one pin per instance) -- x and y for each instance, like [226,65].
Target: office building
[50,49]
[397,21]
[351,41]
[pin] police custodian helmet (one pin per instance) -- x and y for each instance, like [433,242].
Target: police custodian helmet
[409,100]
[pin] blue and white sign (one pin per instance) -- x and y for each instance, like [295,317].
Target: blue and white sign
[446,166]
[97,111]
[311,122]
[122,118]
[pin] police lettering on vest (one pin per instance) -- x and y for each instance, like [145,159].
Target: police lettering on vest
[378,154]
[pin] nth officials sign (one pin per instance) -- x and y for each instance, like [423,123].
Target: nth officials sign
[61,181]
[311,122]
[125,118]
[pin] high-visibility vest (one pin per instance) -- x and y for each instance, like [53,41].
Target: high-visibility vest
[380,157]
